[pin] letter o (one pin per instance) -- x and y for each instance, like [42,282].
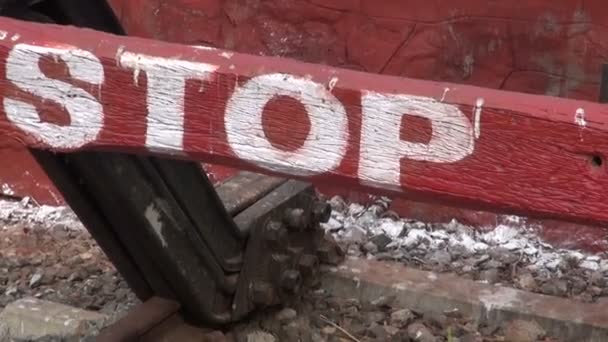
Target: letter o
[323,148]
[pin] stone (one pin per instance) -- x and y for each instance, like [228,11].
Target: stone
[260,336]
[35,279]
[375,317]
[328,330]
[578,285]
[526,281]
[503,255]
[4,332]
[378,332]
[355,234]
[594,291]
[420,333]
[523,331]
[401,318]
[286,314]
[215,336]
[597,279]
[492,264]
[555,287]
[370,247]
[381,241]
[491,276]
[383,301]
[31,319]
[590,265]
[337,204]
[439,257]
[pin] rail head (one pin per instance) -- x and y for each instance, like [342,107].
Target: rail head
[69,89]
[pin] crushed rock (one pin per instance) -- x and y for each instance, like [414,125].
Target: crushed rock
[511,254]
[26,213]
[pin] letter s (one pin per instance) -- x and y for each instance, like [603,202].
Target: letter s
[86,113]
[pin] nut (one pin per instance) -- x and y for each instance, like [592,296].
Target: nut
[321,211]
[262,293]
[291,280]
[278,263]
[308,264]
[297,219]
[276,232]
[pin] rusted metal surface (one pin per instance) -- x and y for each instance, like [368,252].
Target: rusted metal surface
[140,320]
[156,320]
[281,257]
[243,189]
[282,249]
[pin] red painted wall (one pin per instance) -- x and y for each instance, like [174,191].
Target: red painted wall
[534,46]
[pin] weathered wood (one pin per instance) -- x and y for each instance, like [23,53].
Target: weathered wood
[68,89]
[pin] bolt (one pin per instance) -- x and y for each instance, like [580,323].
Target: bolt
[321,211]
[275,232]
[291,281]
[296,219]
[262,293]
[295,252]
[308,264]
[278,263]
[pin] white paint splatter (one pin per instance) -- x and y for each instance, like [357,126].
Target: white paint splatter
[153,216]
[3,35]
[6,190]
[15,37]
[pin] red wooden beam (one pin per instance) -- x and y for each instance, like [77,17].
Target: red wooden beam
[69,89]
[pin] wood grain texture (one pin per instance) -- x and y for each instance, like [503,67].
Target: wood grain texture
[532,155]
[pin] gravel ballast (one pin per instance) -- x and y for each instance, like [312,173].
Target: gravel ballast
[45,253]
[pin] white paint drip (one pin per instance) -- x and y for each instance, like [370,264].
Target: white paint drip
[86,113]
[323,148]
[332,83]
[227,55]
[445,93]
[203,47]
[478,109]
[165,99]
[579,118]
[153,216]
